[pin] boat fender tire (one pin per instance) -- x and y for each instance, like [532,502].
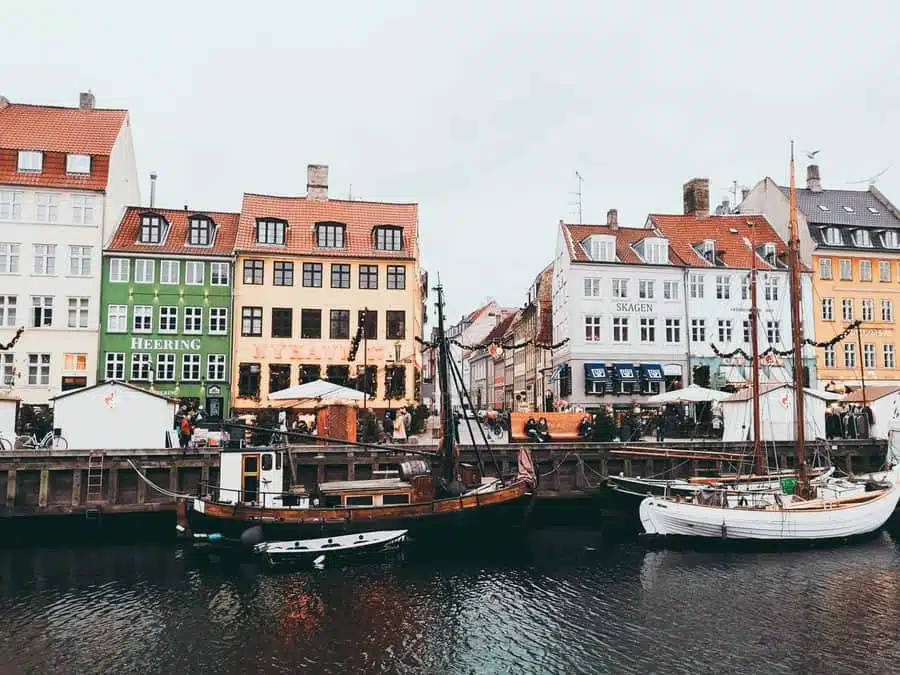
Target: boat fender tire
[251,536]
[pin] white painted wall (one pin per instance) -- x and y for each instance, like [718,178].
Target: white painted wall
[884,411]
[777,417]
[123,186]
[8,408]
[271,480]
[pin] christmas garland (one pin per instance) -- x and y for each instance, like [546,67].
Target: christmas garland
[12,343]
[486,345]
[788,352]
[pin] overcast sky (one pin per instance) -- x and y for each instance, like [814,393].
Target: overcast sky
[479,111]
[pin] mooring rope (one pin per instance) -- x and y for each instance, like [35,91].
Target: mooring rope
[162,491]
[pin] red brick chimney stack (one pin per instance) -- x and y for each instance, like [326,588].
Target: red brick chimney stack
[696,197]
[612,219]
[813,181]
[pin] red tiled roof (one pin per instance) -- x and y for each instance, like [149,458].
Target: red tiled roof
[498,331]
[125,239]
[54,172]
[38,127]
[302,214]
[870,393]
[729,232]
[626,237]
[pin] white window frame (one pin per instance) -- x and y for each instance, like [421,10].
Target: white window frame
[647,329]
[620,289]
[79,165]
[219,273]
[44,305]
[884,271]
[671,290]
[166,364]
[10,257]
[44,260]
[218,315]
[646,289]
[697,285]
[116,362]
[119,270]
[869,355]
[142,319]
[80,260]
[83,209]
[833,236]
[41,364]
[593,287]
[849,355]
[169,315]
[193,320]
[191,276]
[166,276]
[867,309]
[723,287]
[865,270]
[698,331]
[80,306]
[195,363]
[117,318]
[11,204]
[592,328]
[826,271]
[144,271]
[673,331]
[216,365]
[845,266]
[726,330]
[888,355]
[887,310]
[829,357]
[621,327]
[46,207]
[141,367]
[9,310]
[846,309]
[827,309]
[30,161]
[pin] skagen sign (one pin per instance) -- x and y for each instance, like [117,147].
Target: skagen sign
[635,307]
[166,345]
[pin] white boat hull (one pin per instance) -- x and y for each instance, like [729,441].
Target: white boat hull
[366,541]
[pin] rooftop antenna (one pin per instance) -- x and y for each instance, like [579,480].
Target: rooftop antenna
[871,180]
[578,196]
[350,193]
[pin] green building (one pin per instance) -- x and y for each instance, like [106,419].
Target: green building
[165,303]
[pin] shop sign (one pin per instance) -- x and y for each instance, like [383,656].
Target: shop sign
[767,360]
[635,307]
[165,344]
[878,332]
[214,390]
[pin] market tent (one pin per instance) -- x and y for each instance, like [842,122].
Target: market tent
[690,394]
[318,390]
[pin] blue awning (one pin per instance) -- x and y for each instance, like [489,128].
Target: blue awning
[595,371]
[626,372]
[653,372]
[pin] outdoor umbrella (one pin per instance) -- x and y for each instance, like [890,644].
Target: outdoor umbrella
[318,390]
[690,394]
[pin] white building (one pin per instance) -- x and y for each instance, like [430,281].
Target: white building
[65,176]
[113,415]
[776,414]
[9,408]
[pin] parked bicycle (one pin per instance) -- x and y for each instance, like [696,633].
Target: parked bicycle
[50,441]
[5,443]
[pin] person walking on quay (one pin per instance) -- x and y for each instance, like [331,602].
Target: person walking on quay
[186,430]
[400,427]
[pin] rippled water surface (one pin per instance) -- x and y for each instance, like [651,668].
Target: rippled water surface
[560,602]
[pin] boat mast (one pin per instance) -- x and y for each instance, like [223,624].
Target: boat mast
[759,460]
[444,381]
[797,332]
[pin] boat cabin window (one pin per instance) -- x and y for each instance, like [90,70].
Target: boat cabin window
[278,461]
[250,463]
[390,500]
[359,500]
[267,461]
[331,501]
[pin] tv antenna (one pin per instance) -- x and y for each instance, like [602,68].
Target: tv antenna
[578,196]
[871,180]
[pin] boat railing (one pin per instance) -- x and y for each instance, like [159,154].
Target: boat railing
[256,498]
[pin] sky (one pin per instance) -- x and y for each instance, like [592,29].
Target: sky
[481,112]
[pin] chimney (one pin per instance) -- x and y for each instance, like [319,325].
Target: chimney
[317,182]
[813,182]
[3,102]
[86,100]
[745,192]
[696,197]
[612,219]
[152,190]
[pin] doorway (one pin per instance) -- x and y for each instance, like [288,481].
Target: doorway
[214,408]
[250,478]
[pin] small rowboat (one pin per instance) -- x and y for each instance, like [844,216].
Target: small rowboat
[316,549]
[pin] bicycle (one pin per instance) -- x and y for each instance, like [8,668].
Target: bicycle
[50,441]
[5,443]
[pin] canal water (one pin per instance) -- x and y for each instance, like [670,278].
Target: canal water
[559,601]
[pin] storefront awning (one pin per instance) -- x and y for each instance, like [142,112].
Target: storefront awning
[626,372]
[595,371]
[652,372]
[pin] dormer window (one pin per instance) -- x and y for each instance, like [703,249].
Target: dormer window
[601,249]
[891,239]
[151,229]
[330,235]
[768,251]
[709,250]
[78,164]
[388,238]
[31,161]
[270,231]
[862,239]
[833,236]
[200,232]
[655,251]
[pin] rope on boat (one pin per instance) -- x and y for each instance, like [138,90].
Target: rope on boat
[161,490]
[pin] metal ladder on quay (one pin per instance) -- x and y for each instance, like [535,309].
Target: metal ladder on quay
[94,485]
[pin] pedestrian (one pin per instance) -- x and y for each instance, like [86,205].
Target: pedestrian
[400,427]
[186,430]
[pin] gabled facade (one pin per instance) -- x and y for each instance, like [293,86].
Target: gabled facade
[469,331]
[66,175]
[167,304]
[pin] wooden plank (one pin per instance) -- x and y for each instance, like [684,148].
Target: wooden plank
[44,489]
[11,483]
[76,487]
[112,489]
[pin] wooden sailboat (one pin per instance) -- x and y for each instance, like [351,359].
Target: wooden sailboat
[421,500]
[808,514]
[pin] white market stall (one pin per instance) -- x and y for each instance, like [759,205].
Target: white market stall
[114,416]
[885,404]
[776,413]
[9,407]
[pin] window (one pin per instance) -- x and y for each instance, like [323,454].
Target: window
[30,160]
[846,269]
[251,321]
[215,367]
[9,258]
[396,277]
[396,325]
[340,275]
[645,289]
[868,355]
[723,287]
[887,310]
[279,377]
[394,381]
[829,356]
[648,329]
[253,272]
[116,318]
[142,321]
[620,328]
[670,290]
[78,313]
[45,259]
[368,319]
[283,273]
[200,232]
[655,252]
[592,287]
[8,311]
[368,276]
[80,261]
[312,275]
[768,253]
[11,205]
[620,288]
[847,309]
[190,367]
[888,355]
[78,164]
[890,239]
[47,208]
[165,367]
[282,322]
[673,330]
[140,366]
[849,355]
[193,320]
[592,329]
[270,232]
[884,271]
[709,250]
[39,369]
[42,311]
[310,373]
[7,369]
[725,331]
[868,309]
[168,319]
[745,286]
[248,379]
[194,273]
[696,285]
[861,238]
[83,209]
[330,235]
[770,287]
[218,320]
[601,249]
[825,268]
[218,274]
[115,366]
[746,326]
[827,309]
[143,271]
[151,229]
[169,272]
[340,324]
[388,238]
[773,332]
[311,324]
[865,270]
[698,330]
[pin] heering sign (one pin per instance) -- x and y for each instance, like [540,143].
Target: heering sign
[165,344]
[636,307]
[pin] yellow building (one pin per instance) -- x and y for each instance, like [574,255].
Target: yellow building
[307,270]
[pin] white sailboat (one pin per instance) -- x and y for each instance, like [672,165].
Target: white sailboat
[813,513]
